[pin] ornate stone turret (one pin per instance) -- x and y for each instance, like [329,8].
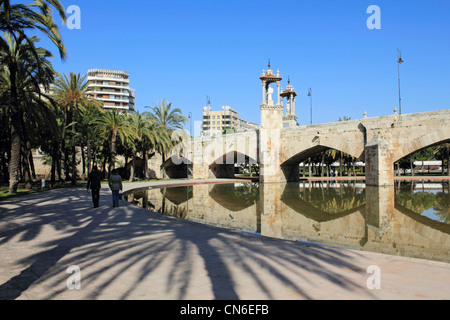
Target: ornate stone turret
[271,114]
[290,119]
[271,125]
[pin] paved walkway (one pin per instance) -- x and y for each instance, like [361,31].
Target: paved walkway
[131,253]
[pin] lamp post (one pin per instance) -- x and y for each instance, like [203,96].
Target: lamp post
[399,62]
[190,124]
[190,142]
[310,102]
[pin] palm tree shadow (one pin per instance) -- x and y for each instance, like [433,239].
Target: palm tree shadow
[134,248]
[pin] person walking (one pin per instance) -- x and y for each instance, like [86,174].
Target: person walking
[94,184]
[115,184]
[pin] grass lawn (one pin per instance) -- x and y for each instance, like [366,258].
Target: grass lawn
[36,187]
[4,188]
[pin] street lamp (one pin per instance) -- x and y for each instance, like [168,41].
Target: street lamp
[310,102]
[190,124]
[399,62]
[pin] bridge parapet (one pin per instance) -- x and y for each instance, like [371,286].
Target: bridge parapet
[379,141]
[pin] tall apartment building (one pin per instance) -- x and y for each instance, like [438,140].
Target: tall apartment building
[113,88]
[216,122]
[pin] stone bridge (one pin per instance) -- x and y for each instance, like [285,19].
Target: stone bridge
[377,141]
[280,145]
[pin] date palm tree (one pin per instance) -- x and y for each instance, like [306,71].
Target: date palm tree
[113,125]
[168,120]
[72,92]
[444,151]
[140,124]
[18,18]
[15,20]
[25,70]
[148,137]
[87,133]
[342,155]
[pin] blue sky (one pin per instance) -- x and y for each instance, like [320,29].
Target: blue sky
[184,51]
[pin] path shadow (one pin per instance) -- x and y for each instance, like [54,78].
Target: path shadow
[112,243]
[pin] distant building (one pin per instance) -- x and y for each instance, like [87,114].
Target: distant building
[113,88]
[225,120]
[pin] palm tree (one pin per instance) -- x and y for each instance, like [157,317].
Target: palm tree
[168,120]
[444,151]
[72,92]
[24,67]
[113,125]
[139,124]
[15,19]
[87,132]
[148,137]
[342,155]
[331,155]
[18,18]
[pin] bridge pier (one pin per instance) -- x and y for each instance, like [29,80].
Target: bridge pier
[290,173]
[378,213]
[379,163]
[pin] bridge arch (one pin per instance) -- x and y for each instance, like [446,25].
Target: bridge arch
[224,165]
[305,148]
[176,167]
[428,140]
[314,150]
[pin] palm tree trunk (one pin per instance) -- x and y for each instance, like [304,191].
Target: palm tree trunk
[16,116]
[145,157]
[26,168]
[310,168]
[83,163]
[112,161]
[133,167]
[74,154]
[62,166]
[448,161]
[163,165]
[25,156]
[54,163]
[322,168]
[31,162]
[88,157]
[354,168]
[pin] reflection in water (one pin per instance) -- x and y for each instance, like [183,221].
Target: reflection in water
[322,202]
[429,200]
[235,197]
[410,220]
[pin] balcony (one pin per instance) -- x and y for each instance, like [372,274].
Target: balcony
[118,79]
[123,100]
[109,86]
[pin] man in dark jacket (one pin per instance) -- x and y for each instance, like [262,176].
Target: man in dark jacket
[94,184]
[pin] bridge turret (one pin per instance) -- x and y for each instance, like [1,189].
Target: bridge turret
[271,114]
[290,119]
[271,125]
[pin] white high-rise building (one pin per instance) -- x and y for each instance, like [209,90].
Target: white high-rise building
[113,88]
[217,122]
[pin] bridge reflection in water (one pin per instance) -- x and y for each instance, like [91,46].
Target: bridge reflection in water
[409,219]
